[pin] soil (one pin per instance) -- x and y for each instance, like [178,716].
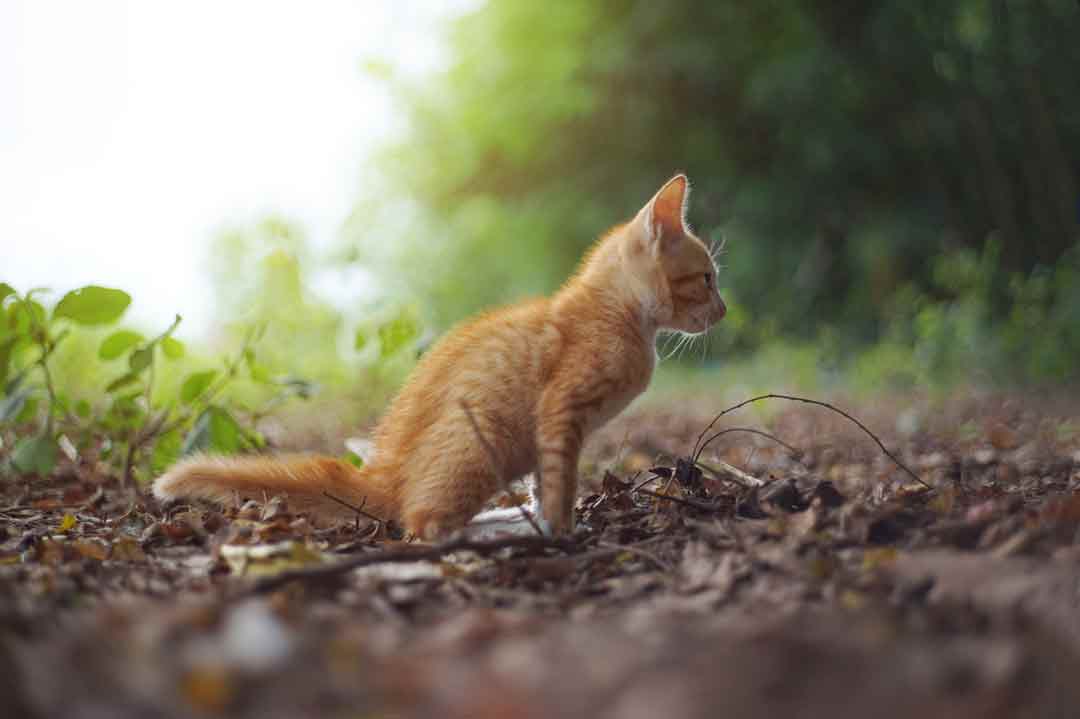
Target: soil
[841,586]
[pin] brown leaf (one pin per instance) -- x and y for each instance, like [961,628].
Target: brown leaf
[1002,437]
[91,549]
[51,551]
[208,689]
[177,531]
[126,549]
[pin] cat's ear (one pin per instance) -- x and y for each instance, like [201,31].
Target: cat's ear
[664,218]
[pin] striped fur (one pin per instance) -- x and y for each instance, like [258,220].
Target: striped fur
[537,376]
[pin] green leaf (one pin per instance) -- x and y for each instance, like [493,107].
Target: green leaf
[82,409]
[35,455]
[215,431]
[92,305]
[195,384]
[256,371]
[20,313]
[5,290]
[141,358]
[173,348]
[118,343]
[121,381]
[259,373]
[361,339]
[28,411]
[167,449]
[398,333]
[62,405]
[226,435]
[12,404]
[7,349]
[124,413]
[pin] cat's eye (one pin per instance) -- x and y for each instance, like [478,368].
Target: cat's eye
[708,280]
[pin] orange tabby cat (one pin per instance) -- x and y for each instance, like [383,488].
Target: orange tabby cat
[538,377]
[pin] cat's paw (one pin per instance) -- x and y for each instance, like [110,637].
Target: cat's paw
[551,529]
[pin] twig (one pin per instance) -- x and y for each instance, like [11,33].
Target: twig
[695,504]
[359,510]
[794,450]
[634,549]
[701,443]
[653,478]
[410,553]
[737,475]
[495,465]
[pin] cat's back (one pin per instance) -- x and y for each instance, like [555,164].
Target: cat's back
[494,363]
[515,339]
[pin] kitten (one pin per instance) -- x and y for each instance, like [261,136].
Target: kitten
[537,377]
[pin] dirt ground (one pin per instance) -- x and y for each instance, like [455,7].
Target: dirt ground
[840,587]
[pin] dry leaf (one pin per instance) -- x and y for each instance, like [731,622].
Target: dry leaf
[92,549]
[67,523]
[126,549]
[208,689]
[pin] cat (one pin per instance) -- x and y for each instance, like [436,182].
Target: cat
[534,378]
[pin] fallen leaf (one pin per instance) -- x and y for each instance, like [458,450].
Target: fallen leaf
[126,549]
[852,600]
[877,558]
[91,549]
[51,551]
[261,560]
[208,689]
[1002,437]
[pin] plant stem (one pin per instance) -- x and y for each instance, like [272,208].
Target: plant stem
[50,389]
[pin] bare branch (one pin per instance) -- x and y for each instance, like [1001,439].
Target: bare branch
[410,553]
[359,510]
[687,501]
[702,443]
[737,475]
[749,430]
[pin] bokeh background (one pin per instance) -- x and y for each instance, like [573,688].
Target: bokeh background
[895,184]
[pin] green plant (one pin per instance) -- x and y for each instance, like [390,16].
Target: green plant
[130,424]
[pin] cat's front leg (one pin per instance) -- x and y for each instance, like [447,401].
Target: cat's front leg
[560,433]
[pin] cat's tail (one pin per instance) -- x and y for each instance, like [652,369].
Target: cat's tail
[305,480]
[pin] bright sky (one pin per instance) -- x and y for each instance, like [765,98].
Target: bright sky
[131,131]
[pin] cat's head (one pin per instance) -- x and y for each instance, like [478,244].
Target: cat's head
[675,267]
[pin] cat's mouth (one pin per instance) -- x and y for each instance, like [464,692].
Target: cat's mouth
[711,316]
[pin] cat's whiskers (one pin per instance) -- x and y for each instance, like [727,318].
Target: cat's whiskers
[715,250]
[683,338]
[679,339]
[688,346]
[670,338]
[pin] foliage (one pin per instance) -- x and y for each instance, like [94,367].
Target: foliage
[263,274]
[129,424]
[848,153]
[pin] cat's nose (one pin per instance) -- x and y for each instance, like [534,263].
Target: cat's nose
[721,310]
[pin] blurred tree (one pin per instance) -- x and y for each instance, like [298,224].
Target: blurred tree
[262,276]
[842,147]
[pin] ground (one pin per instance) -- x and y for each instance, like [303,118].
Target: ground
[842,587]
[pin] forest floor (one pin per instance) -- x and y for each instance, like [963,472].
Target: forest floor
[841,587]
